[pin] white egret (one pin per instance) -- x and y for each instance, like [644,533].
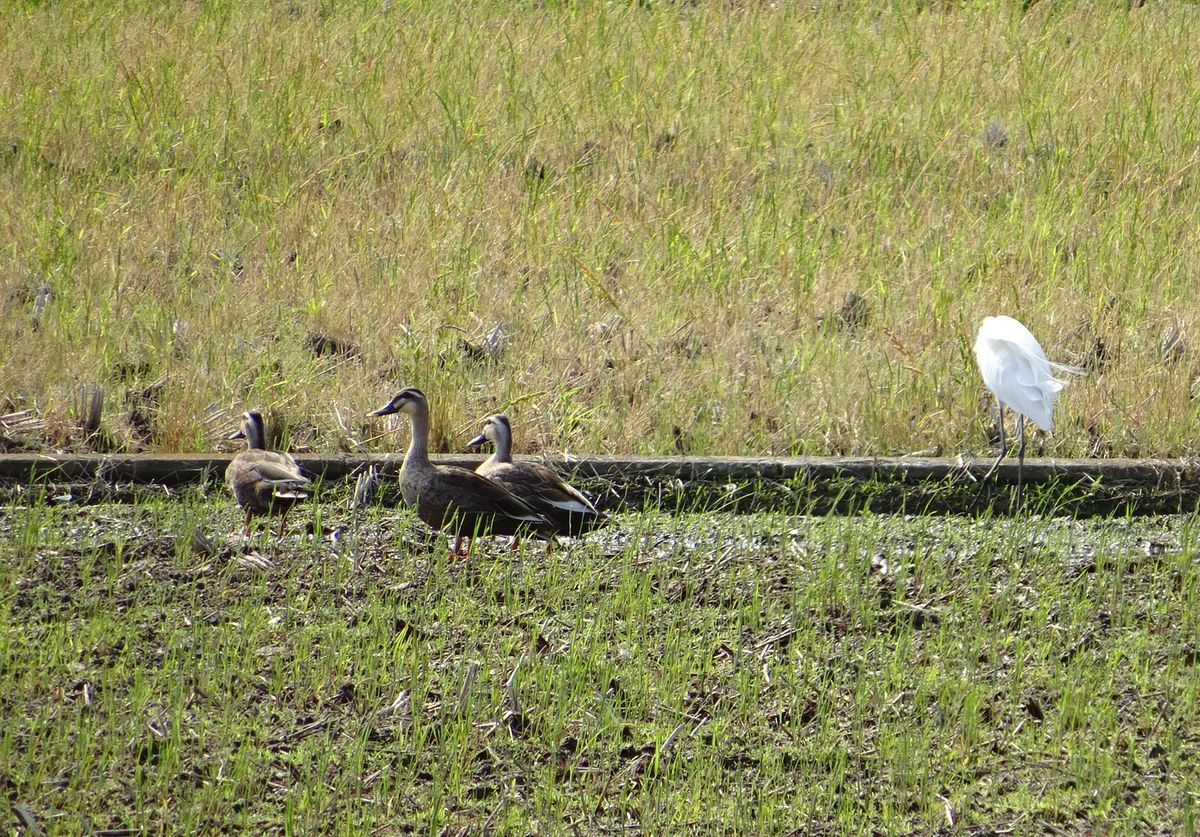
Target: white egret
[1016,370]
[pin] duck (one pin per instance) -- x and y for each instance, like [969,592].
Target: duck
[448,497]
[263,481]
[567,509]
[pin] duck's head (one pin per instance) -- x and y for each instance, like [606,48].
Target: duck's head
[409,400]
[496,430]
[252,430]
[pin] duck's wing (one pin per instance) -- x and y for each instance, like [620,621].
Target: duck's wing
[540,486]
[277,468]
[471,493]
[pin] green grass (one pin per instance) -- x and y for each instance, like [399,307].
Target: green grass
[662,205]
[833,675]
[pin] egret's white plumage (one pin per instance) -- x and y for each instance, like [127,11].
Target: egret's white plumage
[1016,370]
[1014,367]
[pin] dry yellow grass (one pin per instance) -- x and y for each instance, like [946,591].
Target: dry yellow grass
[662,208]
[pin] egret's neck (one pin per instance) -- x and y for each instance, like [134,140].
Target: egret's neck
[418,448]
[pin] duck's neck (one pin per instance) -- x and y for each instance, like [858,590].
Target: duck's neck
[418,448]
[503,443]
[255,437]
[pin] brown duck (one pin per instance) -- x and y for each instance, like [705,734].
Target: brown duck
[263,481]
[569,512]
[451,498]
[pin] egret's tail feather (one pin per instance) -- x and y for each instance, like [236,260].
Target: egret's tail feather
[1070,370]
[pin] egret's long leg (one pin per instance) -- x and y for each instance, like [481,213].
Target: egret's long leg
[1020,459]
[1003,450]
[1003,443]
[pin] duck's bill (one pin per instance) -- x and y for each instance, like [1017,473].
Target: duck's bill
[385,410]
[478,440]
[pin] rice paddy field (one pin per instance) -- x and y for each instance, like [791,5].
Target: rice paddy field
[638,228]
[766,674]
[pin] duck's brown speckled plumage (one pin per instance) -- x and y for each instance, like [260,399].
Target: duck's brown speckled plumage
[568,510]
[456,499]
[264,481]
